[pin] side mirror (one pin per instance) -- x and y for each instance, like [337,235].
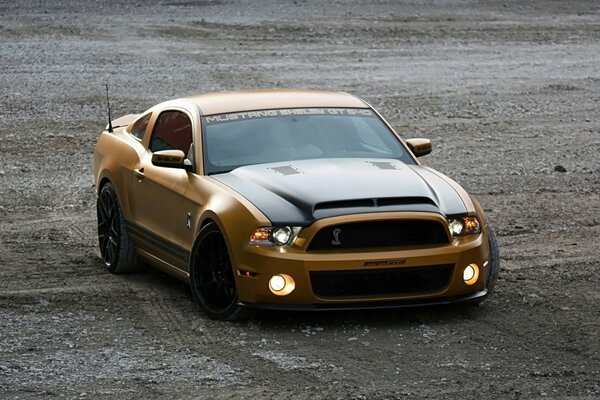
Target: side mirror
[419,147]
[171,159]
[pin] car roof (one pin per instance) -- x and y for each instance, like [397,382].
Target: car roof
[265,99]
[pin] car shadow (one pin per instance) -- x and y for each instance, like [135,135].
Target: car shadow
[380,318]
[275,320]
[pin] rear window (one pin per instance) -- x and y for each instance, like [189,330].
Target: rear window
[139,128]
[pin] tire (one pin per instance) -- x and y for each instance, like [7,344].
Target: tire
[494,260]
[494,266]
[211,276]
[116,247]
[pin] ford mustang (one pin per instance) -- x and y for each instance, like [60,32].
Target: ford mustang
[287,199]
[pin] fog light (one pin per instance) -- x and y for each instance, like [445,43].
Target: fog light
[277,283]
[471,274]
[281,285]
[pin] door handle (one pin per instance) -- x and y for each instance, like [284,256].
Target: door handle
[139,173]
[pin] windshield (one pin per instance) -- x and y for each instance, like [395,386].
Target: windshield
[258,137]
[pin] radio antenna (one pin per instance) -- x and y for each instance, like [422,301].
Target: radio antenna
[110,128]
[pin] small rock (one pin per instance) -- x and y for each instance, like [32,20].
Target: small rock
[1,172]
[560,168]
[44,303]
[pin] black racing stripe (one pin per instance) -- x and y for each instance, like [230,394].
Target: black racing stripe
[276,208]
[165,245]
[450,200]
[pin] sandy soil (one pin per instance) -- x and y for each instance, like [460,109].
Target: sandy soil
[509,92]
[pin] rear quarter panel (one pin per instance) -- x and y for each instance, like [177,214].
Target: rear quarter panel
[115,155]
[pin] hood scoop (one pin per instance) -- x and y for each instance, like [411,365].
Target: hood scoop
[373,205]
[383,202]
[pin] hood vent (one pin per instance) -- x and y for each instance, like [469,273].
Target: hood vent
[328,205]
[385,165]
[402,201]
[383,202]
[286,170]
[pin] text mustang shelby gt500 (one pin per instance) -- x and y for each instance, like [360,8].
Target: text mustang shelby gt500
[290,199]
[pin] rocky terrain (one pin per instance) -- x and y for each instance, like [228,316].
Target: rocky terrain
[509,93]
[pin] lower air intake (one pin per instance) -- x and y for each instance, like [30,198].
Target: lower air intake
[381,282]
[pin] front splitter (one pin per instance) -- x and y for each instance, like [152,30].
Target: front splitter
[367,305]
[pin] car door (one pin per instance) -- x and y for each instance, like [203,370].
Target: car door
[160,212]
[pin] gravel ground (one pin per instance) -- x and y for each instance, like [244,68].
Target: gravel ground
[508,92]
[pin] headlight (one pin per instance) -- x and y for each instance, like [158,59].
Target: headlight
[464,226]
[281,236]
[278,235]
[456,226]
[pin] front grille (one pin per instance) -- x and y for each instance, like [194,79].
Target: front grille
[381,282]
[378,234]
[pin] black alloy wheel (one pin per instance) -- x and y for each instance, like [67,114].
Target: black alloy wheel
[108,227]
[116,247]
[211,275]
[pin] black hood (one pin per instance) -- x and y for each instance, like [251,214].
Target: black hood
[300,192]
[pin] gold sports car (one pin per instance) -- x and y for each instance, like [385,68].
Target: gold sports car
[287,199]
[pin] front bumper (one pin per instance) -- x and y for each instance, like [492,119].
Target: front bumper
[263,263]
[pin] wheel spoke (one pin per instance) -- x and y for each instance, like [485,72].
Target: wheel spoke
[103,244]
[223,298]
[210,287]
[111,212]
[105,205]
[106,252]
[209,257]
[110,252]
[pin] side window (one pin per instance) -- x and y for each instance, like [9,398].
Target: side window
[139,128]
[172,131]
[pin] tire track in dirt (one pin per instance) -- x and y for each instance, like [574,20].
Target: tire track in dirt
[179,321]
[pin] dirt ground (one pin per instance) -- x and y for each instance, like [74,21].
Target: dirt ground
[509,93]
